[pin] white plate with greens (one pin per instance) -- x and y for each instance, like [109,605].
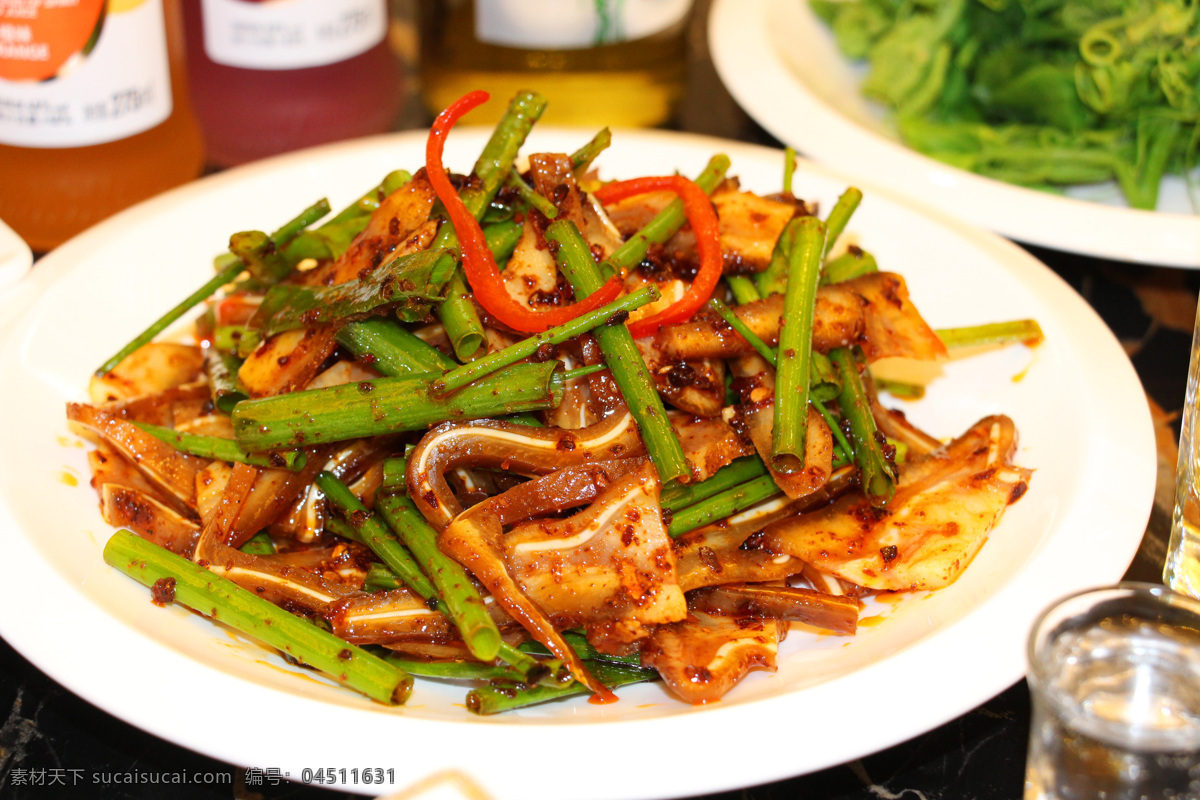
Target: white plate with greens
[180,677]
[781,64]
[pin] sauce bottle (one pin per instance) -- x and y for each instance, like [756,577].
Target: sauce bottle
[274,76]
[94,112]
[597,62]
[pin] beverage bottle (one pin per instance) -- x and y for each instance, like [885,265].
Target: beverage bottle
[597,62]
[94,112]
[270,76]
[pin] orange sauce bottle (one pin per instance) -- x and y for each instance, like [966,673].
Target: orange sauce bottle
[94,112]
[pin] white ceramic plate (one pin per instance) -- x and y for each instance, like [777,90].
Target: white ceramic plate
[15,257]
[1080,410]
[780,63]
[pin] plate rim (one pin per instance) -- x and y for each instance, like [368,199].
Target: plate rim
[746,59]
[147,716]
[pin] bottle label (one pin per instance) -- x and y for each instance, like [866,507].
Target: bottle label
[573,24]
[75,73]
[290,34]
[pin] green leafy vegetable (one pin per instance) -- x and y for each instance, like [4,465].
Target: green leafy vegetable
[1042,93]
[406,282]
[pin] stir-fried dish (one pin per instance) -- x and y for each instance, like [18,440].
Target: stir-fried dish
[540,432]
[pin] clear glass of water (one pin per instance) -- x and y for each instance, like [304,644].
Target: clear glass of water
[1182,568]
[1114,675]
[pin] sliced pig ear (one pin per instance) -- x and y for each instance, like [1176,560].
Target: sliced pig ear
[287,361]
[152,368]
[609,568]
[473,540]
[696,385]
[892,325]
[152,519]
[709,443]
[510,447]
[836,613]
[704,656]
[946,502]
[873,311]
[397,615]
[161,464]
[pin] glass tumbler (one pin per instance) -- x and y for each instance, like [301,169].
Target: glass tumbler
[1114,675]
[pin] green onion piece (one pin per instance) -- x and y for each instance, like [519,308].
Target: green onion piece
[230,269]
[665,223]
[582,647]
[676,496]
[333,238]
[540,671]
[495,699]
[237,340]
[854,263]
[722,505]
[456,312]
[295,226]
[735,322]
[379,577]
[842,446]
[260,544]
[582,372]
[454,670]
[903,389]
[463,327]
[824,381]
[877,474]
[502,238]
[339,527]
[265,264]
[1020,331]
[608,314]
[262,256]
[582,158]
[216,282]
[839,215]
[461,601]
[375,534]
[220,449]
[789,168]
[743,289]
[529,196]
[773,279]
[221,599]
[389,405]
[622,356]
[795,348]
[391,348]
[224,388]
[501,150]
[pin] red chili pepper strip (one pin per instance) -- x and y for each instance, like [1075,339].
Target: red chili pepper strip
[703,219]
[478,263]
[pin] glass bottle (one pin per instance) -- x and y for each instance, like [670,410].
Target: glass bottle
[94,112]
[275,76]
[597,62]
